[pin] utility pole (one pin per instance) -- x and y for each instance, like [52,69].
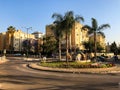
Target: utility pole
[19,42]
[27,28]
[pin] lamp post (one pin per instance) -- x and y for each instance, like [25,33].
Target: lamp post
[4,52]
[19,41]
[27,28]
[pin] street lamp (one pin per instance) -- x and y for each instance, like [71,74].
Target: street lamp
[4,52]
[27,28]
[19,41]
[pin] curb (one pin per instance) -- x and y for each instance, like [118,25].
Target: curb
[3,61]
[79,71]
[30,66]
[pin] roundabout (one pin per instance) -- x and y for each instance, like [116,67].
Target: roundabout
[14,74]
[110,70]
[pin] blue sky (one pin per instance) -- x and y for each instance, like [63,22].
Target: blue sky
[37,14]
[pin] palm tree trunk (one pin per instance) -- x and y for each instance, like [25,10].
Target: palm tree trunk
[95,47]
[12,43]
[66,48]
[59,49]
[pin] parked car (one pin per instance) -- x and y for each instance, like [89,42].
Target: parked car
[101,59]
[115,58]
[17,54]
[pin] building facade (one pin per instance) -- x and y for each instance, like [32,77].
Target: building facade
[2,41]
[19,37]
[16,39]
[49,31]
[37,34]
[76,38]
[8,42]
[99,38]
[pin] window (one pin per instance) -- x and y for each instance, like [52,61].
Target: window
[77,34]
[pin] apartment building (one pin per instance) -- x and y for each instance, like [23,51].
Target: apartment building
[37,34]
[99,38]
[76,37]
[8,41]
[19,37]
[49,31]
[2,41]
[14,40]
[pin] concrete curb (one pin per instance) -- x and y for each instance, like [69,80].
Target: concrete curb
[3,59]
[112,70]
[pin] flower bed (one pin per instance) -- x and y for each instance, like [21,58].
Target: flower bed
[77,65]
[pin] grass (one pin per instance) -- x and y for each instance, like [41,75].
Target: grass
[76,65]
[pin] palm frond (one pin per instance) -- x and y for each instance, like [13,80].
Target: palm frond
[11,29]
[69,14]
[90,30]
[68,21]
[79,18]
[104,26]
[101,33]
[57,16]
[86,27]
[94,24]
[56,22]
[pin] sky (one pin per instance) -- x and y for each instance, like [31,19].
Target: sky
[37,14]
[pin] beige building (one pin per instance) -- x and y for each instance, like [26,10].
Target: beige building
[99,38]
[77,36]
[38,34]
[2,41]
[49,31]
[8,41]
[18,38]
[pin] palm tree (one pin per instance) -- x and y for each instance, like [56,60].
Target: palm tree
[11,31]
[95,29]
[64,26]
[67,23]
[58,30]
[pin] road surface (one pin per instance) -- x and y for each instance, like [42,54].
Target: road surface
[14,75]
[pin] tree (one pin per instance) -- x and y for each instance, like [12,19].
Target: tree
[67,24]
[64,26]
[119,49]
[32,45]
[99,47]
[25,46]
[89,46]
[114,48]
[95,29]
[58,32]
[49,45]
[11,31]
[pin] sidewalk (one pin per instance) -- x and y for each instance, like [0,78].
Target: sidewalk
[3,60]
[84,70]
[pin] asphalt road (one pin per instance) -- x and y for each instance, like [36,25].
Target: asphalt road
[14,75]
